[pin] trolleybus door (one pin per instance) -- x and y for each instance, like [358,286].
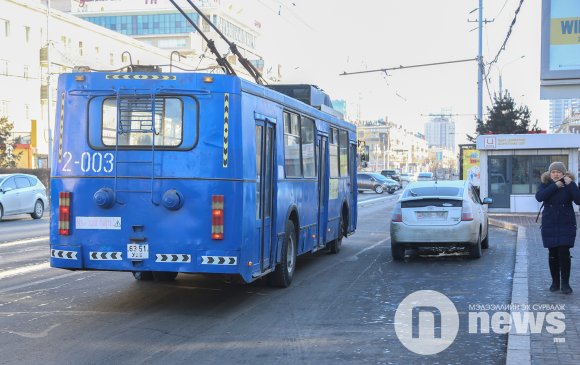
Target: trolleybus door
[322,189]
[352,186]
[264,188]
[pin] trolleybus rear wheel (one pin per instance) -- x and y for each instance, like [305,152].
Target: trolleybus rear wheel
[335,245]
[282,276]
[143,275]
[164,275]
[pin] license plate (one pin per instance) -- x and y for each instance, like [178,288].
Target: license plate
[431,215]
[137,251]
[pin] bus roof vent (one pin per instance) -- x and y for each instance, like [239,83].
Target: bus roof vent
[308,94]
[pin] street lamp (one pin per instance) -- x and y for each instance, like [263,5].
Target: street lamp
[501,70]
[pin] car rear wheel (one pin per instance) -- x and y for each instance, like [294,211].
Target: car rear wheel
[38,210]
[475,250]
[379,189]
[398,252]
[485,242]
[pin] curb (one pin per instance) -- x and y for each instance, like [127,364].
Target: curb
[519,345]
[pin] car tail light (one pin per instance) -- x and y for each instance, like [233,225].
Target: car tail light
[397,213]
[466,211]
[217,217]
[64,213]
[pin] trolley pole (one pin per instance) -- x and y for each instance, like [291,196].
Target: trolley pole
[48,91]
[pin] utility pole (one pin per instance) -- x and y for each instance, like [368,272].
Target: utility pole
[480,70]
[48,86]
[480,66]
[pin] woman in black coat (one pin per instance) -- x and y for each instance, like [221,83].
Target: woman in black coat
[558,190]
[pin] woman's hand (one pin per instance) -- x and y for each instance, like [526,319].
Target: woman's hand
[567,180]
[559,184]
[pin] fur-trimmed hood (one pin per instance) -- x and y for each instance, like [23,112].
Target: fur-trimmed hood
[547,179]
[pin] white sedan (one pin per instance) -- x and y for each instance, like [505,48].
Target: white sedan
[22,194]
[439,213]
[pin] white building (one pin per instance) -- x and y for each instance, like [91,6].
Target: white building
[511,166]
[440,132]
[559,109]
[36,43]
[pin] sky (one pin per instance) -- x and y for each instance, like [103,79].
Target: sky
[318,40]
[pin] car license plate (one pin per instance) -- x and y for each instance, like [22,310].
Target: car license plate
[431,215]
[137,251]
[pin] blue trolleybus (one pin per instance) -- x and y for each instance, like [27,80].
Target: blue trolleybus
[164,173]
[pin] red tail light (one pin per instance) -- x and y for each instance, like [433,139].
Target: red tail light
[397,213]
[217,217]
[64,213]
[466,212]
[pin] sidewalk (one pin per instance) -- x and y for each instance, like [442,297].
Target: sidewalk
[530,287]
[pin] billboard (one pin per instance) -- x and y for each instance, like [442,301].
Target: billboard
[470,166]
[560,70]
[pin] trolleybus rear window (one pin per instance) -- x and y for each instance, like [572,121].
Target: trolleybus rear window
[139,120]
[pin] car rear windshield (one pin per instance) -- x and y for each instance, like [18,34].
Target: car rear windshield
[433,191]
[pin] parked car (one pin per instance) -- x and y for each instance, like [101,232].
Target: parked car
[370,181]
[440,213]
[425,176]
[391,174]
[22,194]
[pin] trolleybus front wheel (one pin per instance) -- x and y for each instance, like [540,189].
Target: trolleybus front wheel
[282,276]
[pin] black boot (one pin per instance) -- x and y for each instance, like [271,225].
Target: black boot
[565,264]
[555,272]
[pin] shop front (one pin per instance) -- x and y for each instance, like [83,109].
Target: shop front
[512,164]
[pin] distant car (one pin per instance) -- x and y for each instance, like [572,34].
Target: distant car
[425,176]
[391,174]
[22,194]
[370,181]
[407,177]
[440,213]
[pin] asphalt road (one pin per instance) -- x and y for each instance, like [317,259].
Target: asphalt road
[339,310]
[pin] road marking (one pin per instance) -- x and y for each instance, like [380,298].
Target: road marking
[22,242]
[377,199]
[24,270]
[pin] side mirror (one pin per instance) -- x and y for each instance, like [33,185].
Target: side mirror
[487,201]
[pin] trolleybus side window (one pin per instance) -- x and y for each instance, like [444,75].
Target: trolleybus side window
[308,150]
[137,122]
[333,148]
[292,164]
[343,143]
[299,151]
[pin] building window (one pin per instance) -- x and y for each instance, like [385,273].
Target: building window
[527,172]
[96,50]
[27,34]
[26,68]
[4,108]
[26,111]
[111,59]
[80,48]
[6,27]
[4,67]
